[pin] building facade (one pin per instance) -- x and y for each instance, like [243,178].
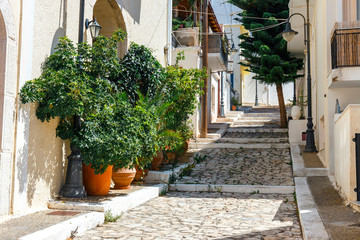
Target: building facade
[32,158]
[335,83]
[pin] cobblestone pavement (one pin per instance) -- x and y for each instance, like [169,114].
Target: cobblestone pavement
[189,215]
[205,215]
[243,167]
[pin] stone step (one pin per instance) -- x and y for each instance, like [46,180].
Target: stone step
[200,146]
[225,120]
[203,140]
[261,115]
[259,118]
[233,115]
[256,130]
[254,122]
[253,140]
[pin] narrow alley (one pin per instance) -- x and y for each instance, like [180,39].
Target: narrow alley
[220,198]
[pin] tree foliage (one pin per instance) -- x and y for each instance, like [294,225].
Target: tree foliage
[265,50]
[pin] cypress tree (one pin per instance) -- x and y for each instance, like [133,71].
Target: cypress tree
[264,48]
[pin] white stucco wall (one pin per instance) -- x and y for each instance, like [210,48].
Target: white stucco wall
[146,24]
[267,94]
[192,60]
[31,150]
[8,83]
[345,128]
[214,91]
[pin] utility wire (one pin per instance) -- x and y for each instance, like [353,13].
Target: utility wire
[251,30]
[188,11]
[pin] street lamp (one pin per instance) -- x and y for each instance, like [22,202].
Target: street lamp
[94,27]
[256,93]
[288,34]
[74,187]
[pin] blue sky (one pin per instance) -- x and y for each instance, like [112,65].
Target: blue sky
[223,10]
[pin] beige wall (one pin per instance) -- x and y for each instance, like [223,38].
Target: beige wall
[146,24]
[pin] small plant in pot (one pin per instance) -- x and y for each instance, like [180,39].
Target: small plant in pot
[234,103]
[141,76]
[172,142]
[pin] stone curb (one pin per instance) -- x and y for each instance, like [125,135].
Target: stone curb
[236,146]
[259,130]
[63,230]
[311,224]
[232,188]
[219,133]
[253,140]
[162,177]
[116,205]
[299,169]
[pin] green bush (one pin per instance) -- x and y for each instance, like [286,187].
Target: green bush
[80,81]
[183,87]
[140,72]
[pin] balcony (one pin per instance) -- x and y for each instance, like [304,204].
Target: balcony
[186,37]
[345,55]
[217,53]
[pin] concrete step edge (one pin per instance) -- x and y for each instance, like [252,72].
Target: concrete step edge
[231,188]
[66,229]
[311,224]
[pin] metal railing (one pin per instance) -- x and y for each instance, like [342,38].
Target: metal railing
[356,139]
[345,48]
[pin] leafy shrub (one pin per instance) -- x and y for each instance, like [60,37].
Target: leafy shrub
[183,87]
[140,72]
[80,81]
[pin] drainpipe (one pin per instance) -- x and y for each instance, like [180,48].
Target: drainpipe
[169,30]
[222,111]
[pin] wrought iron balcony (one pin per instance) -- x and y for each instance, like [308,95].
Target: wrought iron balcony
[345,48]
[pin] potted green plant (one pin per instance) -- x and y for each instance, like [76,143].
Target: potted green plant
[141,76]
[78,81]
[182,88]
[234,103]
[172,141]
[302,102]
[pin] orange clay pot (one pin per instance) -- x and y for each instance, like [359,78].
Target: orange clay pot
[96,185]
[169,157]
[123,177]
[157,160]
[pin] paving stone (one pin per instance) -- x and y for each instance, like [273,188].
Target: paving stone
[243,167]
[220,215]
[207,216]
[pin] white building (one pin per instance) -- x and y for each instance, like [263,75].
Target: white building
[32,159]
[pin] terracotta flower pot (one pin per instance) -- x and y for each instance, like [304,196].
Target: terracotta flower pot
[140,173]
[233,107]
[169,157]
[123,177]
[96,185]
[157,160]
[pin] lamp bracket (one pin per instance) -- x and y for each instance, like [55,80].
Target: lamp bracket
[87,22]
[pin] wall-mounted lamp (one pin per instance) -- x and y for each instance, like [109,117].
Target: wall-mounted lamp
[94,27]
